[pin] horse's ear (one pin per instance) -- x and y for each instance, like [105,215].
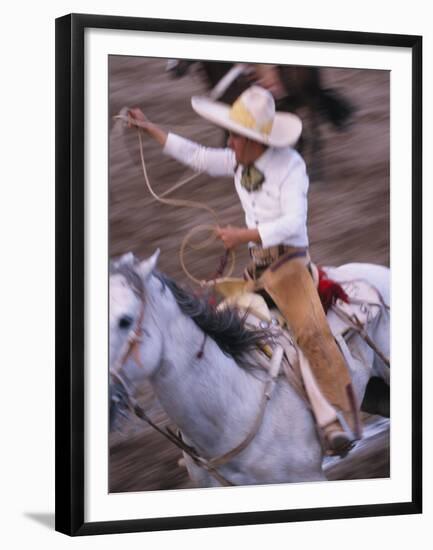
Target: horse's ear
[147,266]
[127,259]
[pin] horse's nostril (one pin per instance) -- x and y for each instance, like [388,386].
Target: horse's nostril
[125,321]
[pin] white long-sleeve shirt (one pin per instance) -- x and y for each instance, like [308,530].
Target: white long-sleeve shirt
[279,208]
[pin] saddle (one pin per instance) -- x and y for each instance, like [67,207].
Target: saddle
[363,306]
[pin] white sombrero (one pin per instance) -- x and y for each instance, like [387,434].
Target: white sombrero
[252,115]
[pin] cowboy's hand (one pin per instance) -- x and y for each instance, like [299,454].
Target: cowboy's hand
[231,236]
[137,118]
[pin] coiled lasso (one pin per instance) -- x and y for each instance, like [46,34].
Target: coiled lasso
[184,203]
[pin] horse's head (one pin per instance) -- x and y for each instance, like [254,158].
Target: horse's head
[129,325]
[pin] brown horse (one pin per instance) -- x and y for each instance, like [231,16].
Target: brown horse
[296,88]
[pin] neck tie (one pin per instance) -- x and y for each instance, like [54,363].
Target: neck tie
[252,179]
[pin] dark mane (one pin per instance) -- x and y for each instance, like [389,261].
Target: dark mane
[132,277]
[226,327]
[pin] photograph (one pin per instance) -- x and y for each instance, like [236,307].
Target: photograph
[249,274]
[238,259]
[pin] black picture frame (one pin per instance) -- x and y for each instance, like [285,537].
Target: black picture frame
[70,281]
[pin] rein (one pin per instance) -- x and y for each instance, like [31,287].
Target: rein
[183,203]
[355,324]
[169,434]
[210,465]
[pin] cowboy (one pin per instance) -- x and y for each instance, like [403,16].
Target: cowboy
[271,180]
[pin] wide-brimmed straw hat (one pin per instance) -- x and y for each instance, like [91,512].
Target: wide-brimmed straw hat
[252,115]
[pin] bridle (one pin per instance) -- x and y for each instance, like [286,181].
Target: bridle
[133,340]
[131,348]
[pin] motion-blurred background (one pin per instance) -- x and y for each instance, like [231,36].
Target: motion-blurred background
[345,143]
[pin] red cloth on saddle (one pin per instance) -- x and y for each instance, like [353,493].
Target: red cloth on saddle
[330,291]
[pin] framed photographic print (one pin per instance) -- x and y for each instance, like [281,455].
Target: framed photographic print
[238,262]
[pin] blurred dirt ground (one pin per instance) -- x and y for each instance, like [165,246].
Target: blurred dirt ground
[348,220]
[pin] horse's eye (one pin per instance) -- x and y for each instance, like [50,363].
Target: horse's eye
[125,321]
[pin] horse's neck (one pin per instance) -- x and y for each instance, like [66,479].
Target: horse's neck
[206,394]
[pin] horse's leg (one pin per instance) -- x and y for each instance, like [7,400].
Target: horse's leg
[381,339]
[376,398]
[377,395]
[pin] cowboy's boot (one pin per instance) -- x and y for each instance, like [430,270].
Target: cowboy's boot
[337,439]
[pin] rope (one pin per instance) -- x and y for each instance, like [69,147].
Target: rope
[211,465]
[173,202]
[183,203]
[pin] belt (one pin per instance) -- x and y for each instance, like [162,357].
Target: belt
[266,256]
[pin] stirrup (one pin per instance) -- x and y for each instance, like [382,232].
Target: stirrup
[338,442]
[345,426]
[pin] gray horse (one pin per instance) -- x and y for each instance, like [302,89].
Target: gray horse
[196,360]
